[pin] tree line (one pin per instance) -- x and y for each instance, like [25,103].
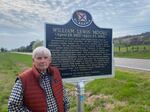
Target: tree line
[28,48]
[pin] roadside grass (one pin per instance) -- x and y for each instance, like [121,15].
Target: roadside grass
[10,65]
[128,91]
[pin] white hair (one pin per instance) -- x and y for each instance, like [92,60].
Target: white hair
[41,51]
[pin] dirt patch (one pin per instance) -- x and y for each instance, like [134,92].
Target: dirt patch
[91,99]
[107,102]
[97,109]
[100,101]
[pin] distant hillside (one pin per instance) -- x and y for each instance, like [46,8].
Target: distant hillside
[141,39]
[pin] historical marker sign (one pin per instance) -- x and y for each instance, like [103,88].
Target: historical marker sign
[80,48]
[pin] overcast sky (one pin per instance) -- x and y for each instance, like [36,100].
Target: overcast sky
[22,21]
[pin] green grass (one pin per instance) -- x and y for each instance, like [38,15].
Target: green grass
[139,51]
[128,87]
[10,65]
[128,91]
[138,55]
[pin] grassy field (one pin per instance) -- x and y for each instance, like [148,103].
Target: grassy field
[139,51]
[128,91]
[10,65]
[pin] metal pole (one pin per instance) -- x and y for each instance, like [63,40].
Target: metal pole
[80,95]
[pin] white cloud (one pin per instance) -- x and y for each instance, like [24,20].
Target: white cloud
[30,15]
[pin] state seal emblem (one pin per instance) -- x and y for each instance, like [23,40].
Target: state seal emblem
[82,18]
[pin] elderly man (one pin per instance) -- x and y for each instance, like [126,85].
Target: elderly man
[40,88]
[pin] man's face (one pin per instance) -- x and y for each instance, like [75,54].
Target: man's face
[41,62]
